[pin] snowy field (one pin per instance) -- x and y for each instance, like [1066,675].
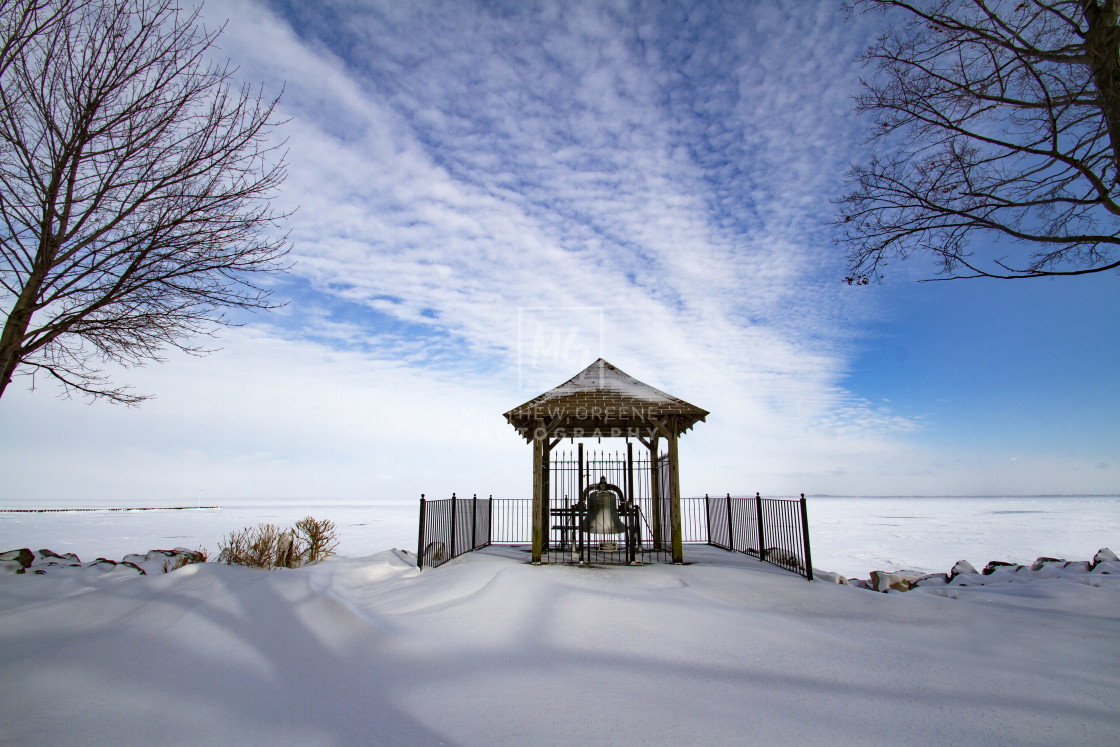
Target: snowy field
[854,536]
[363,529]
[849,536]
[488,650]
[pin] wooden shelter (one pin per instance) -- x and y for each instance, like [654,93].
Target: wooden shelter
[603,402]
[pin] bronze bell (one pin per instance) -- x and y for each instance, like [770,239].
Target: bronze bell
[602,510]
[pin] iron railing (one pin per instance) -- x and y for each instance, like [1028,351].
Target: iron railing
[775,530]
[512,521]
[451,527]
[772,529]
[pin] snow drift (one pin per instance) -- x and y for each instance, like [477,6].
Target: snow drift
[491,650]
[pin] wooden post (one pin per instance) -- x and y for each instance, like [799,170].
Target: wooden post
[546,493]
[675,497]
[538,495]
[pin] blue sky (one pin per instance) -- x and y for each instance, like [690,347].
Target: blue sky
[491,195]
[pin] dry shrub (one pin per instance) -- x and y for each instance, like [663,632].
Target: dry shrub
[267,546]
[253,546]
[317,539]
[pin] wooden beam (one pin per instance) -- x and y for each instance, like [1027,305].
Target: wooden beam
[675,501]
[552,424]
[665,431]
[546,494]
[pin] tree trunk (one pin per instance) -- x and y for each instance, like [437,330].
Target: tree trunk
[11,340]
[19,318]
[1102,45]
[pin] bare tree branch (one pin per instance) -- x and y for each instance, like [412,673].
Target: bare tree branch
[998,118]
[134,188]
[20,21]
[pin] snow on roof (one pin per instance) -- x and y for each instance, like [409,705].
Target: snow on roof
[604,394]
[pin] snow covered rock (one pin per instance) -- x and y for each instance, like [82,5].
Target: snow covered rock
[16,561]
[48,561]
[962,567]
[102,564]
[150,556]
[1105,561]
[1077,566]
[897,580]
[991,567]
[164,561]
[1009,572]
[1040,563]
[49,557]
[1104,555]
[932,579]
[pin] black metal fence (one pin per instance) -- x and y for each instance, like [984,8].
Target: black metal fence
[772,529]
[775,530]
[451,527]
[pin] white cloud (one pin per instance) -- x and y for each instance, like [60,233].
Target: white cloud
[455,167]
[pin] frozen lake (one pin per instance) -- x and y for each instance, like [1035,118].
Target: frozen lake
[851,536]
[854,536]
[363,529]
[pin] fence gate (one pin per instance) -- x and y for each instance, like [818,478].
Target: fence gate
[603,507]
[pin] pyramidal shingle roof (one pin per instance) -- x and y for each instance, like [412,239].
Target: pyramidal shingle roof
[602,398]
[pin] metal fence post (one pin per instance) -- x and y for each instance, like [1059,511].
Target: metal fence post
[490,521]
[420,542]
[474,521]
[805,538]
[730,526]
[708,516]
[758,515]
[454,518]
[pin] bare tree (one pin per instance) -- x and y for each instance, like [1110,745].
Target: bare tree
[135,181]
[21,20]
[994,118]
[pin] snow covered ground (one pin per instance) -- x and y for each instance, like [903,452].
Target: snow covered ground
[364,649]
[490,650]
